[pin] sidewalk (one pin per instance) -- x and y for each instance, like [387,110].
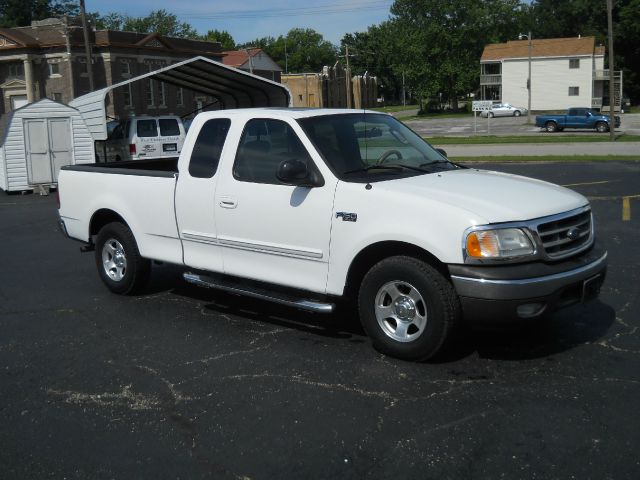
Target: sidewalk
[631,149]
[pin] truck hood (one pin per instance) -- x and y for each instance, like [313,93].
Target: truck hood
[494,196]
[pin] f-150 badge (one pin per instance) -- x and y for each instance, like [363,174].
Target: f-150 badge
[347,217]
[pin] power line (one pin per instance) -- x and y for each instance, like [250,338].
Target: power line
[326,9]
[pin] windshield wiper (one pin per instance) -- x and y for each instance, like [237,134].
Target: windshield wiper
[433,162]
[374,167]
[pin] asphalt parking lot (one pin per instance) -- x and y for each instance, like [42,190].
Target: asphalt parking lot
[189,383]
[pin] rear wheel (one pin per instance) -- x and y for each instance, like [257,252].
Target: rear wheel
[551,127]
[408,309]
[491,115]
[118,259]
[602,127]
[517,113]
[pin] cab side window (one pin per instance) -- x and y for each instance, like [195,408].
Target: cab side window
[208,147]
[266,143]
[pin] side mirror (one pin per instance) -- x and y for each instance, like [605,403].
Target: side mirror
[442,152]
[295,172]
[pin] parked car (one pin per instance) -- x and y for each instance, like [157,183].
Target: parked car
[144,137]
[582,118]
[304,207]
[504,110]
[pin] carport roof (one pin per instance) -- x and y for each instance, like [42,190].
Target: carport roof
[233,88]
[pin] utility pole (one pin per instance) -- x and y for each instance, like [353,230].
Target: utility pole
[528,78]
[348,75]
[612,88]
[87,48]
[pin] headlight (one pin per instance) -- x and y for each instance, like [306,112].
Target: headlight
[499,243]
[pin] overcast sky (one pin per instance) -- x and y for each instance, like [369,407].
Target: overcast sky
[249,19]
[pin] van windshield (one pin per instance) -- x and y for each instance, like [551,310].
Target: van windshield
[147,128]
[168,127]
[367,147]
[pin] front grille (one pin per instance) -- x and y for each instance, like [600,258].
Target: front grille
[563,236]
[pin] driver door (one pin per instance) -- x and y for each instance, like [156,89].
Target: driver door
[270,231]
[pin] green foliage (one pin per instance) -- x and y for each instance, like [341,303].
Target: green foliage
[301,50]
[226,40]
[158,21]
[20,13]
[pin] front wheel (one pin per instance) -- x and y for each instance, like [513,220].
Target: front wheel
[118,259]
[517,113]
[408,308]
[602,127]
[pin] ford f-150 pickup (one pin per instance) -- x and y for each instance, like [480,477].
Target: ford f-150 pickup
[584,118]
[306,206]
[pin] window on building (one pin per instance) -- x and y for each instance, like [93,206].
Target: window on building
[151,100]
[574,63]
[128,97]
[574,91]
[82,68]
[54,69]
[57,97]
[125,68]
[180,97]
[162,94]
[16,70]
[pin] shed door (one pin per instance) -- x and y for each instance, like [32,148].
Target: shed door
[59,144]
[36,140]
[48,147]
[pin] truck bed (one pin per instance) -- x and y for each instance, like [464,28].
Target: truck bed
[159,167]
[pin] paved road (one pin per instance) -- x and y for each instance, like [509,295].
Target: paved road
[464,126]
[187,383]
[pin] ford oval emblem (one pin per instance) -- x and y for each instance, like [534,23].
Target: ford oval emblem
[573,234]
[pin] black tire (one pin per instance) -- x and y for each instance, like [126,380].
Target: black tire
[517,113]
[551,127]
[118,260]
[435,314]
[602,127]
[490,115]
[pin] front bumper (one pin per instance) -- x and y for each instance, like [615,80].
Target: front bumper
[511,292]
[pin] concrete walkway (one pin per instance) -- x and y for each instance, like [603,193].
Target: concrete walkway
[631,149]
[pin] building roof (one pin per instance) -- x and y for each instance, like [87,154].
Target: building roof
[237,58]
[543,47]
[50,33]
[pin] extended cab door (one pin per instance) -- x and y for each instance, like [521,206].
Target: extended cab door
[270,231]
[195,197]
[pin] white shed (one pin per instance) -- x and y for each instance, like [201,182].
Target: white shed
[37,139]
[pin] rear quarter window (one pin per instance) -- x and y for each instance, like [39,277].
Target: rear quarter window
[169,127]
[147,128]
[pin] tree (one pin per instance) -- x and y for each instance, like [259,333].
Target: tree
[20,13]
[301,50]
[158,21]
[443,41]
[222,36]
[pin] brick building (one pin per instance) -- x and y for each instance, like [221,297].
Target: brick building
[47,60]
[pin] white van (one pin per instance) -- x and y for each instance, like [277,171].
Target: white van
[139,138]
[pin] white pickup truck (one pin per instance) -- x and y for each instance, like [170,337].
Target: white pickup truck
[304,206]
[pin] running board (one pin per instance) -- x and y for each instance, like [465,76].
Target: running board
[257,292]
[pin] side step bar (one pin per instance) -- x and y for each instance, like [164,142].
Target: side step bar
[257,292]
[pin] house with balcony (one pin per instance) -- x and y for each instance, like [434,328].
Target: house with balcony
[565,72]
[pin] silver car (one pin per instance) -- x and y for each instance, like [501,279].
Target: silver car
[504,110]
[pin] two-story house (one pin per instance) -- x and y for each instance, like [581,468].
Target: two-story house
[565,72]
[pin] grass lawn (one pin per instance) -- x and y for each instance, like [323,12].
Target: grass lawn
[542,138]
[548,158]
[395,108]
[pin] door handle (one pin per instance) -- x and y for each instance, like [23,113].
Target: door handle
[228,202]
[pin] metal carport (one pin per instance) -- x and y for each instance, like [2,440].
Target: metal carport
[232,88]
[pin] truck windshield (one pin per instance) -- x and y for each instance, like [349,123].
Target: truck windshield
[368,147]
